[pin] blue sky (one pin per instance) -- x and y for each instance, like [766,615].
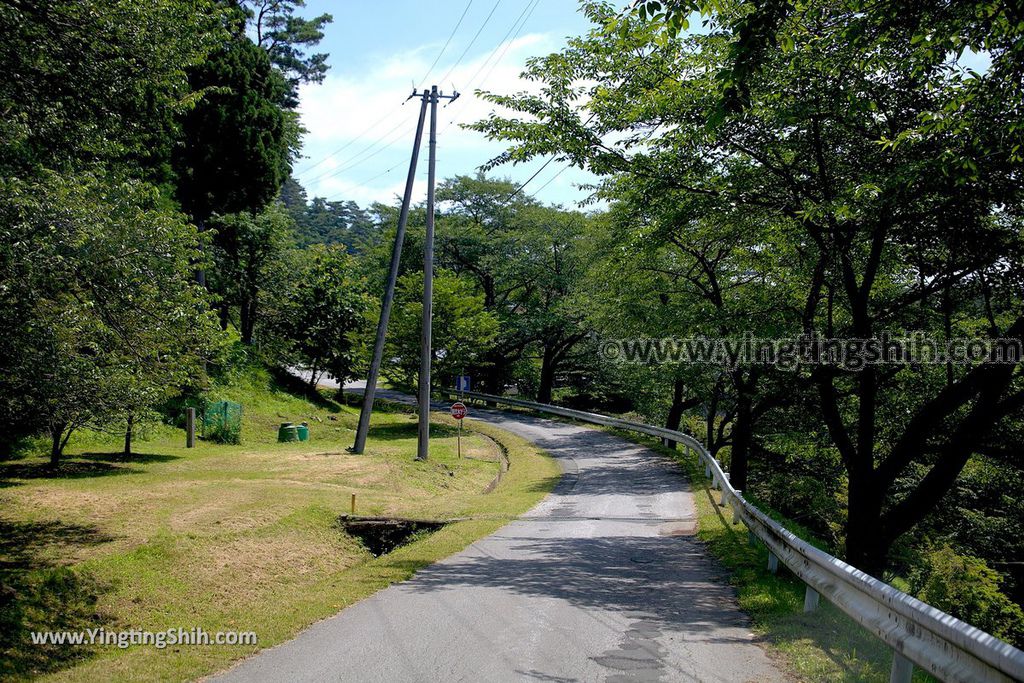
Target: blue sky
[360,134]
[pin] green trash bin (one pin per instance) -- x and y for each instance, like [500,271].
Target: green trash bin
[303,431]
[287,432]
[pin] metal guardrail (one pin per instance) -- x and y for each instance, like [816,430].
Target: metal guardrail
[918,633]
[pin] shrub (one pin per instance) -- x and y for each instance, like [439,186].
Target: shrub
[967,588]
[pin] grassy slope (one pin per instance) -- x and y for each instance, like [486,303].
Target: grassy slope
[231,537]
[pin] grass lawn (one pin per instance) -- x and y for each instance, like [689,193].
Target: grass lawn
[241,537]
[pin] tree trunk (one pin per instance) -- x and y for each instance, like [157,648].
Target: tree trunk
[866,548]
[675,411]
[128,435]
[312,379]
[225,316]
[57,443]
[247,320]
[741,437]
[547,375]
[200,274]
[709,419]
[494,379]
[742,429]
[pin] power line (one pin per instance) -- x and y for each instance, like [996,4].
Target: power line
[446,43]
[504,46]
[508,43]
[351,142]
[359,158]
[367,181]
[390,114]
[551,179]
[527,11]
[493,59]
[546,163]
[468,47]
[528,180]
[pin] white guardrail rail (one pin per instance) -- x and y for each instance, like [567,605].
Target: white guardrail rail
[919,634]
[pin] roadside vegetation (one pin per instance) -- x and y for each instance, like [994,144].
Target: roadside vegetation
[824,645]
[231,537]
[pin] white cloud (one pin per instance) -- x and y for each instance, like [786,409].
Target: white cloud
[362,114]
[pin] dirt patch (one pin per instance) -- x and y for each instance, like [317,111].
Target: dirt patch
[381,535]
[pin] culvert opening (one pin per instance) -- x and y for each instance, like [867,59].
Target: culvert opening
[381,535]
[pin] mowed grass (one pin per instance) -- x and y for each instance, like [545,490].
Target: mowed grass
[226,538]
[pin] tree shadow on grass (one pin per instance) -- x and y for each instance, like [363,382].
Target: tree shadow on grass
[132,457]
[68,469]
[543,485]
[37,595]
[84,466]
[408,430]
[393,432]
[282,380]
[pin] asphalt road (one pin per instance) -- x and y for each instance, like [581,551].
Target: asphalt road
[602,581]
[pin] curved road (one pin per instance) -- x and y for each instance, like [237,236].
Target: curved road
[601,581]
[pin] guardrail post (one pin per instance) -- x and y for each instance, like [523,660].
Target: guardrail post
[773,562]
[724,499]
[735,510]
[751,539]
[707,470]
[902,669]
[811,598]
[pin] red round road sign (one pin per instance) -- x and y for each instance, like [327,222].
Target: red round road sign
[459,410]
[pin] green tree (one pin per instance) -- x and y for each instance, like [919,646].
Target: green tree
[478,239]
[251,257]
[889,224]
[463,331]
[325,317]
[525,260]
[92,92]
[98,292]
[287,38]
[333,223]
[549,259]
[967,588]
[237,140]
[87,81]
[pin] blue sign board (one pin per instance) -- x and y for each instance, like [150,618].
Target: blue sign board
[462,383]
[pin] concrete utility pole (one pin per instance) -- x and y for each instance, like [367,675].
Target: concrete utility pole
[432,97]
[389,290]
[426,349]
